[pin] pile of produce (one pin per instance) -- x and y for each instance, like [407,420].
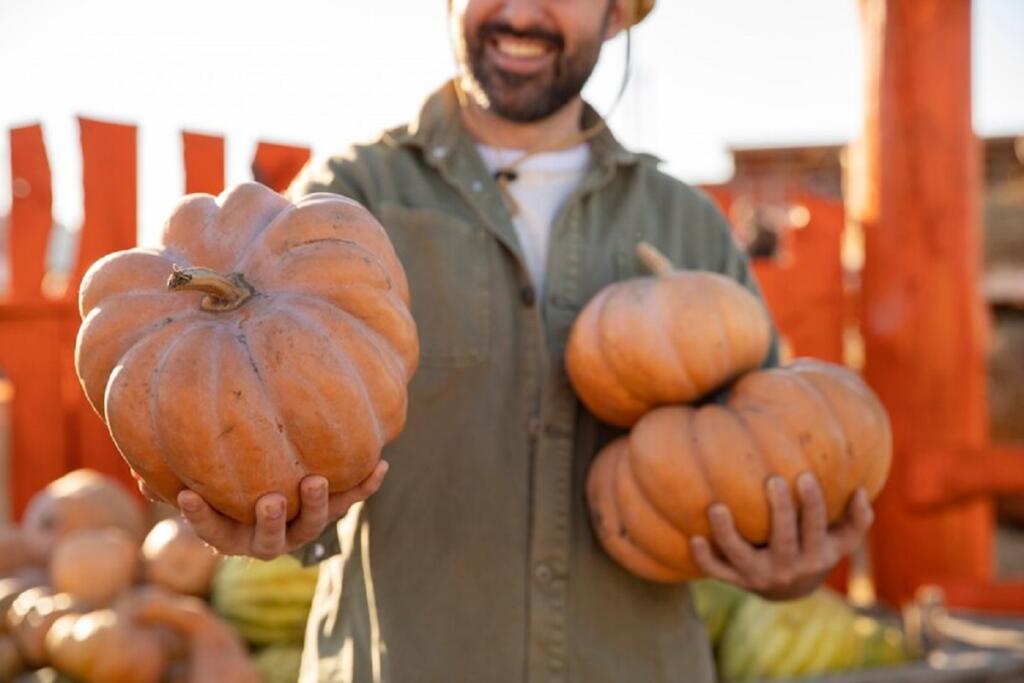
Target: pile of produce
[90,593]
[647,354]
[755,639]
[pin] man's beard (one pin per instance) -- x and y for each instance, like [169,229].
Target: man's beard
[528,98]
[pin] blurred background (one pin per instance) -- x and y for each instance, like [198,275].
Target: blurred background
[708,76]
[835,137]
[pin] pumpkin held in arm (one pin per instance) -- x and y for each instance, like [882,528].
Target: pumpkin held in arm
[649,492]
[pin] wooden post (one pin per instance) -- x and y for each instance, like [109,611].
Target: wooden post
[31,215]
[923,320]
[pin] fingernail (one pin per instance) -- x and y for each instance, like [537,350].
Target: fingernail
[778,485]
[698,542]
[273,510]
[188,501]
[805,482]
[718,510]
[318,490]
[384,467]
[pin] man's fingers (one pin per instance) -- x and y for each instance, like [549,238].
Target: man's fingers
[734,547]
[704,558]
[312,515]
[339,503]
[785,544]
[268,538]
[813,515]
[209,525]
[272,535]
[859,517]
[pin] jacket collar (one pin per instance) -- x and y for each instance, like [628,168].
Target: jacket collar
[438,130]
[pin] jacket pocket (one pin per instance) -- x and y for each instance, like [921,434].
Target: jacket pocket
[446,261]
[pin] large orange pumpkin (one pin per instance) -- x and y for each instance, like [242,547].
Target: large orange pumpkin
[263,341]
[670,338]
[649,493]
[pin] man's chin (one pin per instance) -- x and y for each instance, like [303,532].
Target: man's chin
[521,103]
[519,111]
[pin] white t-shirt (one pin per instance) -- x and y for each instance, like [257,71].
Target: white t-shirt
[545,181]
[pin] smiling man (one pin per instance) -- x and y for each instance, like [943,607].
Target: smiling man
[511,204]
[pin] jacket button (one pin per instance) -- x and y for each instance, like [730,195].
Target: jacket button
[533,426]
[542,572]
[527,295]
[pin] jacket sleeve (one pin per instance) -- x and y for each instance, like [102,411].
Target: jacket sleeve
[342,174]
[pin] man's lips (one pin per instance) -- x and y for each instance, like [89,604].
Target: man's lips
[519,55]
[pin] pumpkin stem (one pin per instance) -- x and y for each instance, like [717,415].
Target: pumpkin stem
[655,261]
[224,292]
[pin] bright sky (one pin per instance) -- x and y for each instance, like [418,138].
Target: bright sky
[708,73]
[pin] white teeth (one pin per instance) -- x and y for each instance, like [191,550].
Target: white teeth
[521,48]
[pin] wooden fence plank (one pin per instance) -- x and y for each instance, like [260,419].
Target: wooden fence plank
[204,163]
[110,185]
[277,165]
[31,217]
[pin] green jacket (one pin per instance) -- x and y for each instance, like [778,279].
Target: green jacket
[476,560]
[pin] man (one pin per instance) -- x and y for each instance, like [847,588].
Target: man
[510,205]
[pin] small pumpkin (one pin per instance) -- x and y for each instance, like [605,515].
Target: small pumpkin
[105,646]
[649,493]
[262,342]
[660,340]
[176,559]
[82,499]
[214,652]
[30,618]
[95,566]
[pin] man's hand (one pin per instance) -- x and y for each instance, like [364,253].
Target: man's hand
[798,556]
[272,535]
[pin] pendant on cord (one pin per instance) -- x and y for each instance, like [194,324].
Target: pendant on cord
[503,176]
